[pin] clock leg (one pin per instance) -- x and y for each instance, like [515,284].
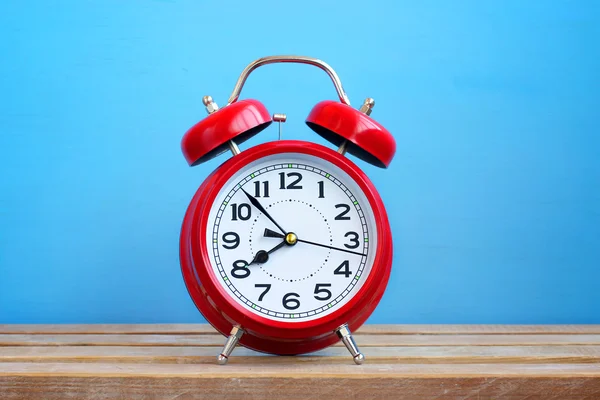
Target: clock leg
[344,333]
[234,337]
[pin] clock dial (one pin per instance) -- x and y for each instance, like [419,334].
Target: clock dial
[291,237]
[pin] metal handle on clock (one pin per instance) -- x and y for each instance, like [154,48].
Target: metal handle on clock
[288,59]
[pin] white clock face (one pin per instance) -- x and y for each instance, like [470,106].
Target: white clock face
[311,200]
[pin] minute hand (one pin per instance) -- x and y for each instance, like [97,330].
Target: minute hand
[256,204]
[331,247]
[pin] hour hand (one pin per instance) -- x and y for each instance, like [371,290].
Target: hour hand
[272,234]
[262,256]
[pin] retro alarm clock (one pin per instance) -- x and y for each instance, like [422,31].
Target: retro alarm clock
[286,247]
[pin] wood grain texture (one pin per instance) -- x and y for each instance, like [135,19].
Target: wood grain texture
[403,362]
[439,388]
[301,370]
[206,355]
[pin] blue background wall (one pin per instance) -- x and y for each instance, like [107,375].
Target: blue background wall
[494,195]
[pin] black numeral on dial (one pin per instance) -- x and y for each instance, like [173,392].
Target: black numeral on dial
[353,238]
[265,190]
[294,184]
[240,269]
[232,239]
[267,287]
[343,269]
[321,189]
[320,289]
[342,216]
[290,302]
[242,211]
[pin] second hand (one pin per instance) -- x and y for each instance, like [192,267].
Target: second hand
[331,247]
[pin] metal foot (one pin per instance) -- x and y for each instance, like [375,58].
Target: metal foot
[234,337]
[344,333]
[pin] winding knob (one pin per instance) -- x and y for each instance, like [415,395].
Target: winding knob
[367,106]
[211,106]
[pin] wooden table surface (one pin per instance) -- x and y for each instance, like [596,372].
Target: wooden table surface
[403,362]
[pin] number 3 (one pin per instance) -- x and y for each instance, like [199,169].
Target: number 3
[353,239]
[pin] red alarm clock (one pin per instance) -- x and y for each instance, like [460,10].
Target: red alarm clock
[286,247]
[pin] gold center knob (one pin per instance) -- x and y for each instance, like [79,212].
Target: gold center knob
[291,238]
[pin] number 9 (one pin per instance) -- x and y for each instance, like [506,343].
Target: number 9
[227,239]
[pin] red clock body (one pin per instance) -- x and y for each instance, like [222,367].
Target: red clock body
[293,300]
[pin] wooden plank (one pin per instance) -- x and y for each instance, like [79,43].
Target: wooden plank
[370,329]
[198,387]
[375,355]
[291,388]
[110,340]
[298,370]
[258,381]
[363,340]
[123,329]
